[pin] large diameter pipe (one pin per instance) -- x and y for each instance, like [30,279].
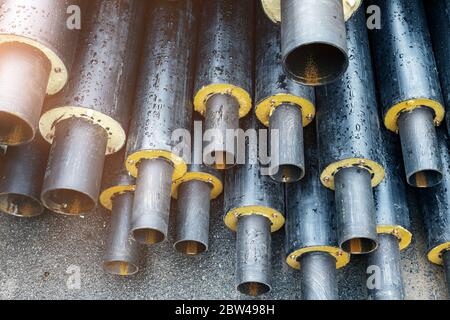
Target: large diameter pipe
[194,201]
[313,36]
[357,231]
[36,49]
[253,264]
[318,274]
[386,263]
[446,258]
[150,222]
[122,253]
[410,92]
[288,158]
[74,171]
[21,175]
[224,80]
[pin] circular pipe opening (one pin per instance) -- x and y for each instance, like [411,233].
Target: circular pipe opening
[120,268]
[425,179]
[219,160]
[20,205]
[287,173]
[359,246]
[147,236]
[190,248]
[14,130]
[253,289]
[316,63]
[68,202]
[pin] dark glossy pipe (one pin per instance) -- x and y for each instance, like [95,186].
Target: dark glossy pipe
[446,258]
[319,280]
[253,266]
[224,80]
[288,162]
[35,54]
[193,217]
[356,211]
[408,82]
[22,172]
[313,39]
[386,259]
[122,253]
[439,24]
[150,222]
[74,172]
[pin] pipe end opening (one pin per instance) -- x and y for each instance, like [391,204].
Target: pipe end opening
[316,64]
[253,289]
[190,248]
[425,179]
[68,202]
[147,236]
[120,268]
[359,246]
[20,205]
[287,173]
[221,160]
[14,130]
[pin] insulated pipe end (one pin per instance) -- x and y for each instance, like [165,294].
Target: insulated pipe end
[287,173]
[20,205]
[191,247]
[254,289]
[359,246]
[120,268]
[315,64]
[423,165]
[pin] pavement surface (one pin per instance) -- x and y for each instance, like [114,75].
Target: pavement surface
[39,258]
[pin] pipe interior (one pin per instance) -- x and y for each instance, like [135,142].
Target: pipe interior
[359,246]
[69,202]
[20,205]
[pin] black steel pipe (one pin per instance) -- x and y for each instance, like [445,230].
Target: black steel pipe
[35,54]
[253,263]
[313,40]
[221,119]
[357,231]
[122,253]
[446,258]
[21,174]
[349,138]
[439,24]
[386,263]
[89,118]
[435,204]
[194,201]
[420,151]
[319,280]
[224,68]
[408,84]
[150,222]
[73,177]
[288,157]
[274,90]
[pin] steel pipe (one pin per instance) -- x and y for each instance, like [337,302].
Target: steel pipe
[446,258]
[281,104]
[319,280]
[224,81]
[21,174]
[386,259]
[253,270]
[35,54]
[313,37]
[349,138]
[356,212]
[439,24]
[89,118]
[408,82]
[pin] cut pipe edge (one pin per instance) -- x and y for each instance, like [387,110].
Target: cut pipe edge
[193,218]
[20,205]
[221,123]
[152,197]
[388,281]
[24,75]
[419,141]
[288,155]
[73,178]
[253,266]
[318,276]
[355,207]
